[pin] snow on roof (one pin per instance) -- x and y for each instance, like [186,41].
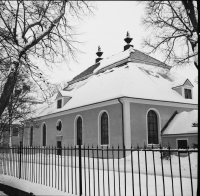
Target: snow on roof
[182,123]
[63,94]
[181,81]
[113,59]
[132,80]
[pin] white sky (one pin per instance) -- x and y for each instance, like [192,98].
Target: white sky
[107,28]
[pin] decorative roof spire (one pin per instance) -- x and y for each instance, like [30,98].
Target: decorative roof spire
[127,35]
[128,41]
[99,54]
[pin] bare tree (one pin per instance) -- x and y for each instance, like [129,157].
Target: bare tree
[173,29]
[22,105]
[35,29]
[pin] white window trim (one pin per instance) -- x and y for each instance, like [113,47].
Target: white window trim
[75,131]
[42,134]
[59,120]
[30,136]
[159,127]
[99,129]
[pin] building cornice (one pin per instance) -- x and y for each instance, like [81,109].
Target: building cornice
[115,101]
[159,102]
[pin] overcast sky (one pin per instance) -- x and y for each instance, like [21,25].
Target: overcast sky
[107,28]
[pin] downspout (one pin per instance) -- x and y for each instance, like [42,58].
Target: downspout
[122,127]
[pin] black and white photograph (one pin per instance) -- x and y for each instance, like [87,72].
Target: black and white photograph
[98,98]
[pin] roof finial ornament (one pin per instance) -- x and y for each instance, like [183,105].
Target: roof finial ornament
[127,35]
[128,40]
[99,49]
[99,54]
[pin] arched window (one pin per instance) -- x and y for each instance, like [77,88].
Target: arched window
[44,135]
[79,128]
[104,129]
[152,121]
[31,136]
[59,125]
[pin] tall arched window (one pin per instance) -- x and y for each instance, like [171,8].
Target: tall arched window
[31,136]
[44,135]
[104,129]
[152,121]
[79,130]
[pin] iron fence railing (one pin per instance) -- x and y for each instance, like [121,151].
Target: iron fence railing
[104,171]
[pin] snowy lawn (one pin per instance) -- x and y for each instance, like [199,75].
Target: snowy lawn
[97,180]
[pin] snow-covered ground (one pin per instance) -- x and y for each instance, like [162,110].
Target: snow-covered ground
[65,176]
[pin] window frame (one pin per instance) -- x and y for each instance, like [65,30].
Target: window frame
[31,136]
[100,129]
[43,135]
[59,121]
[186,94]
[178,139]
[17,132]
[59,103]
[158,127]
[75,130]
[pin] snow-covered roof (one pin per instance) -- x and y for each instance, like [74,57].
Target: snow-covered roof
[113,59]
[181,81]
[122,79]
[133,80]
[183,123]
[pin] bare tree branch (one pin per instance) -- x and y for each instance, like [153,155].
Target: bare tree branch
[173,24]
[35,29]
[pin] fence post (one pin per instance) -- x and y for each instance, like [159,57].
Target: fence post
[20,159]
[80,167]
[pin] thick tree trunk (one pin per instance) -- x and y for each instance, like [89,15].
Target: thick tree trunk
[8,88]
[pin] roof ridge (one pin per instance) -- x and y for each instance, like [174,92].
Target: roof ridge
[140,59]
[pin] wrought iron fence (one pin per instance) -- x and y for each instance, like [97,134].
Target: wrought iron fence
[104,171]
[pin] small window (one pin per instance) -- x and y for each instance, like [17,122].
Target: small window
[31,136]
[188,94]
[182,144]
[59,125]
[15,131]
[59,103]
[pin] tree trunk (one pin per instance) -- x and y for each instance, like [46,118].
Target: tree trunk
[8,88]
